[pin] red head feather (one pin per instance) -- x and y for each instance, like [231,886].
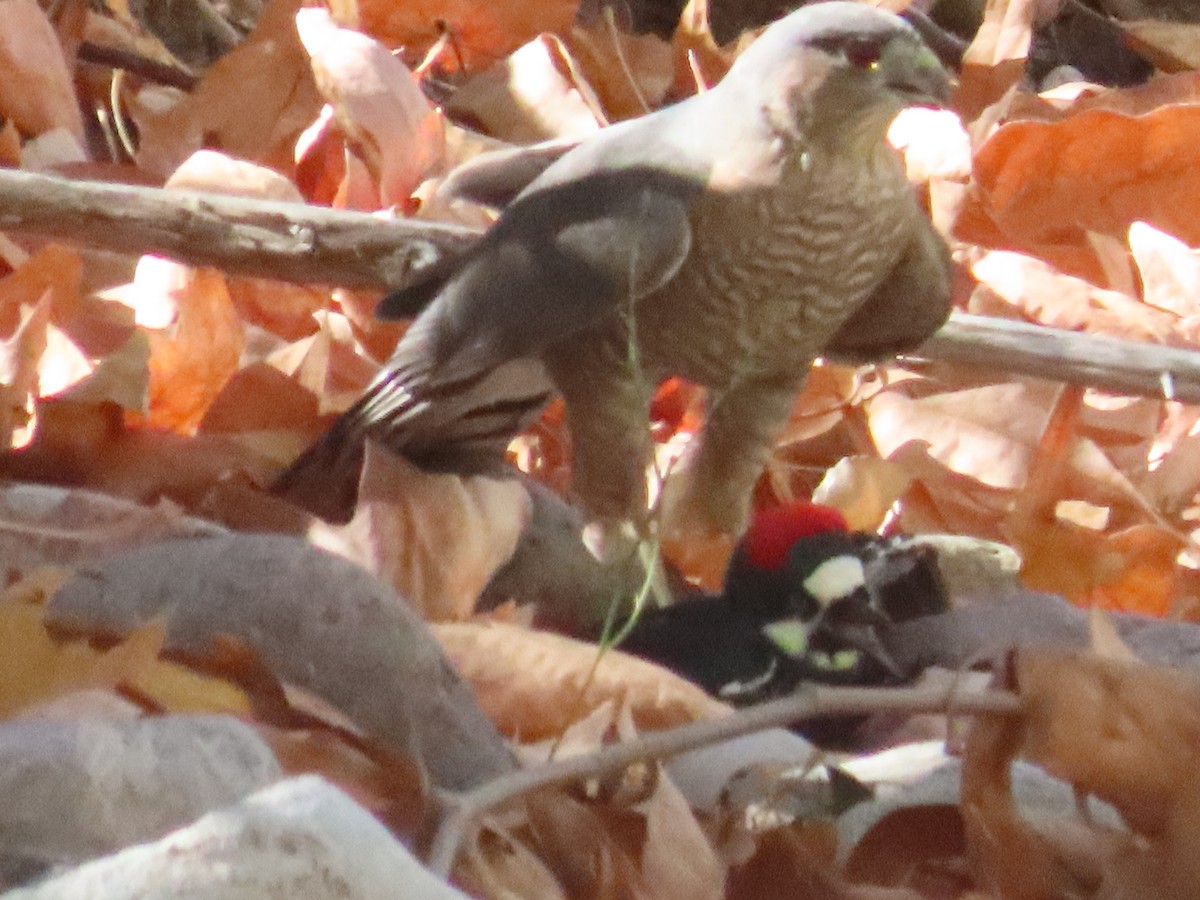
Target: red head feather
[773,531]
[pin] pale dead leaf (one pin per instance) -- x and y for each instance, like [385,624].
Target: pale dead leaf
[533,95]
[1105,640]
[252,103]
[36,91]
[1175,482]
[994,64]
[1005,33]
[21,352]
[1162,90]
[62,365]
[1169,269]
[328,363]
[437,538]
[864,488]
[377,103]
[988,454]
[1170,46]
[677,858]
[534,684]
[1063,301]
[53,149]
[1094,478]
[121,377]
[583,736]
[828,391]
[208,170]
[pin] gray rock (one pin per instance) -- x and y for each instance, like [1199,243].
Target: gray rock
[301,838]
[317,620]
[74,790]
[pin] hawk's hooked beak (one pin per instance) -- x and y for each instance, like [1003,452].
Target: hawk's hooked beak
[914,72]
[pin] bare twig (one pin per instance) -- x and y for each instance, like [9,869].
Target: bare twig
[137,64]
[292,242]
[1126,367]
[811,702]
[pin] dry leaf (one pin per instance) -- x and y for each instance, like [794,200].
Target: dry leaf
[35,667]
[190,365]
[1170,46]
[377,103]
[36,91]
[864,489]
[989,454]
[1043,186]
[535,94]
[677,857]
[584,848]
[1169,270]
[630,74]
[1061,301]
[483,30]
[437,538]
[1122,731]
[534,684]
[252,103]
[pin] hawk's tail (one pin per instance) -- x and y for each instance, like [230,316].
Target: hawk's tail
[450,422]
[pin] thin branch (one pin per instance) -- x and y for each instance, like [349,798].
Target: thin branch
[137,64]
[810,702]
[1000,346]
[293,242]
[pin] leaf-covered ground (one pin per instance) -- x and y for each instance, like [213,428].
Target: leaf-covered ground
[141,378]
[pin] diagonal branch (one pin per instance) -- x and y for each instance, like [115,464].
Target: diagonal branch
[814,701]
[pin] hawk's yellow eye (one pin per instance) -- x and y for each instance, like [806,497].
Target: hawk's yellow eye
[865,55]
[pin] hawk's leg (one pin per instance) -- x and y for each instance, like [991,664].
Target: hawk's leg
[742,426]
[607,408]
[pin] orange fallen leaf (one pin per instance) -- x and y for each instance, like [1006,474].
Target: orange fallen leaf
[190,365]
[483,30]
[1122,731]
[1045,185]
